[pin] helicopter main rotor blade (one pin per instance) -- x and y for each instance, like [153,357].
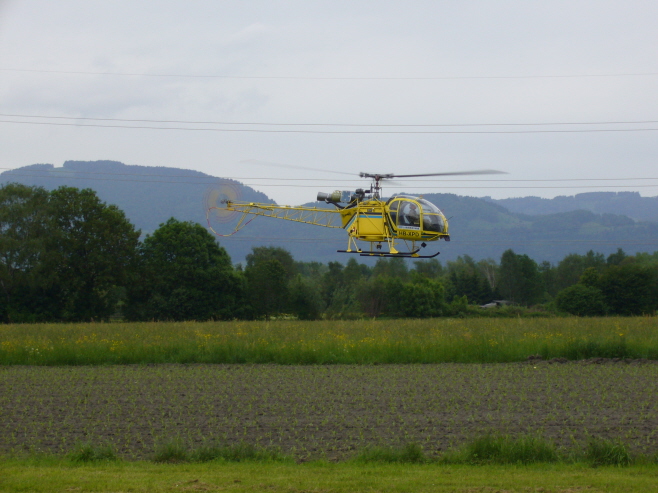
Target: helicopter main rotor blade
[278,165]
[456,173]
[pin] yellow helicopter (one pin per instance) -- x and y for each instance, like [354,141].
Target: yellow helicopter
[397,227]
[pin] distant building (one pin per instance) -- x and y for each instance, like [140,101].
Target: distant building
[496,304]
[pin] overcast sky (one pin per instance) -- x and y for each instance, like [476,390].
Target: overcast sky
[367,63]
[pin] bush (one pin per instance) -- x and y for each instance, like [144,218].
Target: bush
[602,452]
[177,451]
[171,451]
[506,450]
[581,300]
[90,452]
[235,453]
[630,289]
[410,453]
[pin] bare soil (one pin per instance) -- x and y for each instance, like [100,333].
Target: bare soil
[326,411]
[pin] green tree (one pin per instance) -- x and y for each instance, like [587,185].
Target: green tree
[25,226]
[458,306]
[354,272]
[548,275]
[490,271]
[332,284]
[520,279]
[311,270]
[646,258]
[467,279]
[391,267]
[381,296]
[571,267]
[616,258]
[581,300]
[471,285]
[305,299]
[339,289]
[630,289]
[93,248]
[267,282]
[184,275]
[423,298]
[590,277]
[431,269]
[260,254]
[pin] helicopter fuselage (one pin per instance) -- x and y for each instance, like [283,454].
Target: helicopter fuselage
[402,217]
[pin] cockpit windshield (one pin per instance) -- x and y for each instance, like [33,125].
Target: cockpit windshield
[433,222]
[405,213]
[409,215]
[429,206]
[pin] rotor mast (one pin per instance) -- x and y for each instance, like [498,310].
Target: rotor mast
[376,178]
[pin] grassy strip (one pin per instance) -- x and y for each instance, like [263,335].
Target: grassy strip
[51,475]
[410,454]
[178,451]
[329,342]
[493,449]
[501,449]
[91,452]
[489,449]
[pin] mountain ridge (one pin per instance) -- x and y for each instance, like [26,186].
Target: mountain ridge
[479,227]
[630,204]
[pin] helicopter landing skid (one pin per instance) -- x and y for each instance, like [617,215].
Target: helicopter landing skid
[385,254]
[401,255]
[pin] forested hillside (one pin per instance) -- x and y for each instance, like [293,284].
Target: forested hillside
[483,229]
[149,195]
[629,204]
[480,228]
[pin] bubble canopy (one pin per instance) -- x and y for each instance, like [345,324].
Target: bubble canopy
[407,212]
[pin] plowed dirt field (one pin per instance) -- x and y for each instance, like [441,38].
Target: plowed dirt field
[326,411]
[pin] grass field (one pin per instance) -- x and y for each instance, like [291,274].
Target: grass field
[331,396]
[330,342]
[321,477]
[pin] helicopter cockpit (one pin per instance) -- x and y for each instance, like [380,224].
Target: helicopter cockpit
[410,213]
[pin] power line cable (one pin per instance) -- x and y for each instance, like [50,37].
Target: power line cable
[315,186]
[201,122]
[371,132]
[289,77]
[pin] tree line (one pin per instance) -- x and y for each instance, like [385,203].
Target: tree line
[67,256]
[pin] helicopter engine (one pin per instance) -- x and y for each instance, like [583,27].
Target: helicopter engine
[333,197]
[344,196]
